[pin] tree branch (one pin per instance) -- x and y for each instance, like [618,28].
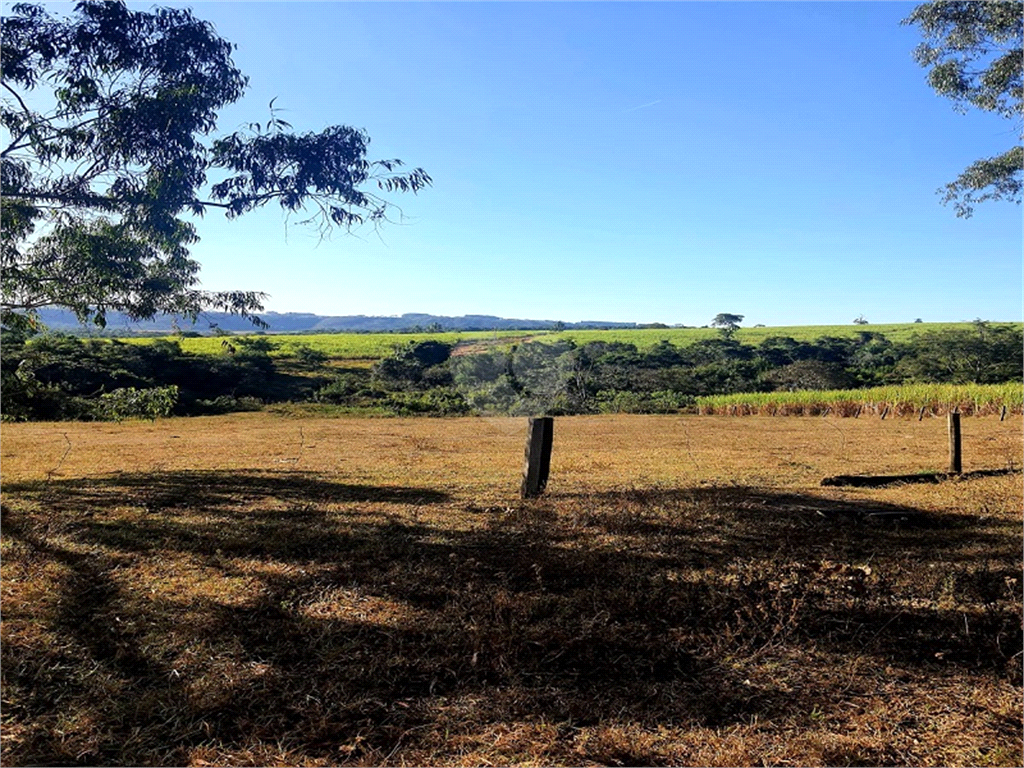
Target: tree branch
[24,107]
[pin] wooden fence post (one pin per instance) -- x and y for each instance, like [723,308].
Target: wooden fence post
[537,461]
[955,463]
[1003,414]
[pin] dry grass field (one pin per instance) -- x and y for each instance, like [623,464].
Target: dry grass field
[261,590]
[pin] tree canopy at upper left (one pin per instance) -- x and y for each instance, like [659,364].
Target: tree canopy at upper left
[108,144]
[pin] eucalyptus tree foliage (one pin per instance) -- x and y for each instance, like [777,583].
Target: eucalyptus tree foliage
[974,50]
[108,143]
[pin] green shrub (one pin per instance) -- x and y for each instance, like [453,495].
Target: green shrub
[642,402]
[254,345]
[225,404]
[808,374]
[347,389]
[433,402]
[132,403]
[407,365]
[310,358]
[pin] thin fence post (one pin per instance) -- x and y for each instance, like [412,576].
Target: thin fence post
[1003,414]
[955,445]
[537,459]
[885,412]
[921,414]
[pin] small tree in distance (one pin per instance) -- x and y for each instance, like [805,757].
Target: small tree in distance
[727,323]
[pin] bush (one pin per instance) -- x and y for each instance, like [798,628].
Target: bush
[428,353]
[310,358]
[254,345]
[498,396]
[472,371]
[642,402]
[131,403]
[406,367]
[808,374]
[437,376]
[225,404]
[433,402]
[347,389]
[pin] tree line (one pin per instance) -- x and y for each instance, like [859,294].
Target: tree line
[63,377]
[563,378]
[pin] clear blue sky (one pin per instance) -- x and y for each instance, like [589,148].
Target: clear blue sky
[626,161]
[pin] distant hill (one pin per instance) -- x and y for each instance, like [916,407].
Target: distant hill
[304,322]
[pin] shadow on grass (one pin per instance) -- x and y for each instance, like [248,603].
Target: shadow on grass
[216,489]
[370,626]
[880,481]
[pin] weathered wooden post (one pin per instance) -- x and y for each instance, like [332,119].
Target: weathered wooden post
[537,463]
[955,466]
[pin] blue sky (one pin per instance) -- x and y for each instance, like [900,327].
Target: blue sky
[625,161]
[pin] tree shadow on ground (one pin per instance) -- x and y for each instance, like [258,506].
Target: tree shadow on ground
[933,478]
[221,489]
[365,631]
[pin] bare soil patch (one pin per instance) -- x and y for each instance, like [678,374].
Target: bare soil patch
[251,589]
[475,346]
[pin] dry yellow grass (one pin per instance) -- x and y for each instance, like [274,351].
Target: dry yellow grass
[253,589]
[473,455]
